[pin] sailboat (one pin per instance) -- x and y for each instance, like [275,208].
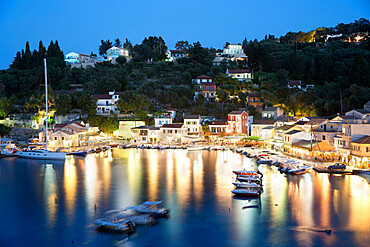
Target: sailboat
[43,154]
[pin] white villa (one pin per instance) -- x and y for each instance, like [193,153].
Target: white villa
[115,52]
[107,103]
[234,50]
[240,74]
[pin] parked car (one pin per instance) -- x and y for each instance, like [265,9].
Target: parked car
[337,166]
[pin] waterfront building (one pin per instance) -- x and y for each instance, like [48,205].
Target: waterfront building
[259,124]
[218,128]
[360,152]
[69,135]
[240,74]
[107,103]
[238,122]
[161,120]
[171,133]
[144,135]
[193,127]
[124,128]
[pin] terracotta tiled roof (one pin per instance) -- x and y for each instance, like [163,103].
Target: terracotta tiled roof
[178,51]
[204,77]
[236,112]
[59,126]
[238,71]
[264,121]
[174,125]
[291,83]
[102,96]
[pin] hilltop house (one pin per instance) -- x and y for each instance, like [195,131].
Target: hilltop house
[172,55]
[203,78]
[255,101]
[77,60]
[114,52]
[233,50]
[107,103]
[208,89]
[295,84]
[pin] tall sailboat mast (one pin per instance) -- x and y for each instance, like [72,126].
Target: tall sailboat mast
[46,105]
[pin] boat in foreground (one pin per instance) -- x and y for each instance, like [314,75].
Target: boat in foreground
[41,154]
[300,170]
[246,192]
[246,185]
[245,172]
[151,207]
[113,225]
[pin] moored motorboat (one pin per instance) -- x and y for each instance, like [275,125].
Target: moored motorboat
[115,225]
[246,185]
[78,153]
[195,148]
[137,218]
[151,207]
[245,172]
[300,170]
[250,179]
[246,192]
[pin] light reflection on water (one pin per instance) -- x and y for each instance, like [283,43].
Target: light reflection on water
[196,186]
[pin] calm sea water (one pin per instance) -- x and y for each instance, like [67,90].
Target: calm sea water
[53,203]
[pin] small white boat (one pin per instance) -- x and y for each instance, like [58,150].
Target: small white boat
[41,154]
[151,207]
[246,185]
[119,225]
[300,170]
[246,192]
[250,179]
[7,146]
[195,147]
[137,218]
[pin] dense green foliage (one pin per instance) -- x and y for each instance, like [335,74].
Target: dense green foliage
[338,70]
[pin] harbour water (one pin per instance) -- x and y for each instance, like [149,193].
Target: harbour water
[47,203]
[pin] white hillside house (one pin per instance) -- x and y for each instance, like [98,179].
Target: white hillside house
[107,103]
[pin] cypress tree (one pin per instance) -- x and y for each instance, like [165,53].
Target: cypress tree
[27,56]
[41,53]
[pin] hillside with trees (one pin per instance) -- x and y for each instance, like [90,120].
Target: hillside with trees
[338,69]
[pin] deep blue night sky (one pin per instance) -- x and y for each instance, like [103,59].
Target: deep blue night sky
[79,25]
